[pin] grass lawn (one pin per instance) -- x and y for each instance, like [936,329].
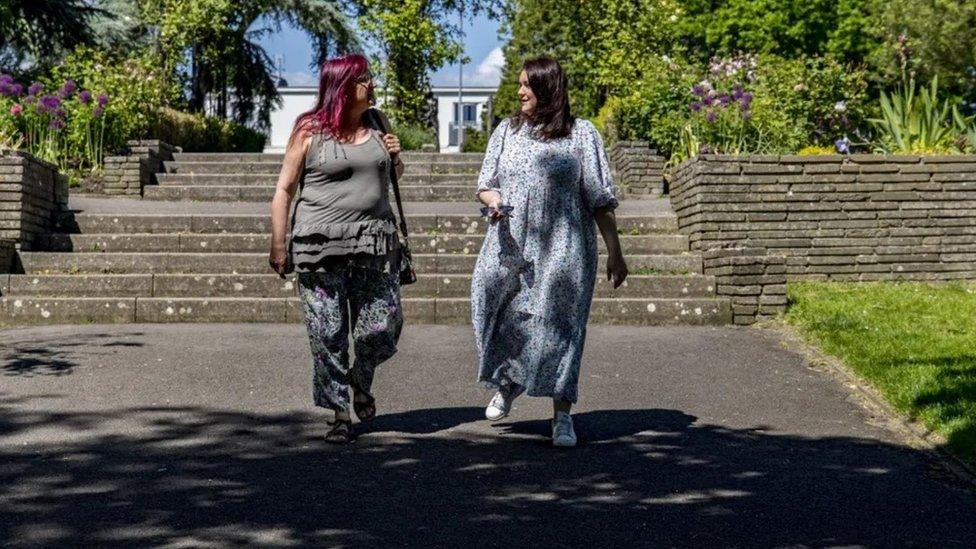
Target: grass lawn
[914,342]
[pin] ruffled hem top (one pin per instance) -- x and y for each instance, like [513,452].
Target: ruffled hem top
[343,212]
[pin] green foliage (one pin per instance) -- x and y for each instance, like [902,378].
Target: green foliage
[37,31]
[217,40]
[781,27]
[414,136]
[917,121]
[137,85]
[196,132]
[475,141]
[415,39]
[794,103]
[927,39]
[912,341]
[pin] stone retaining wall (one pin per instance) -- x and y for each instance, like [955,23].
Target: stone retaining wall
[128,174]
[32,192]
[832,217]
[638,170]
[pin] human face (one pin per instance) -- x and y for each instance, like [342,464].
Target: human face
[364,93]
[525,94]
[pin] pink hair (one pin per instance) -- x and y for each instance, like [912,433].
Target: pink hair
[336,87]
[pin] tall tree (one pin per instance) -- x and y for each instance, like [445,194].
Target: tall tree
[33,32]
[220,39]
[414,38]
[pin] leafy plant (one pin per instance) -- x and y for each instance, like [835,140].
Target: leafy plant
[915,120]
[196,132]
[414,136]
[475,141]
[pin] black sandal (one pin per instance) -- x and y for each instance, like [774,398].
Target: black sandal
[365,409]
[340,433]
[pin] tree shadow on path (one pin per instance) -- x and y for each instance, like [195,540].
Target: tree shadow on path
[197,476]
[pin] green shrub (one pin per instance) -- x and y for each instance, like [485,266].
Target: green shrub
[198,133]
[746,104]
[475,141]
[914,121]
[414,136]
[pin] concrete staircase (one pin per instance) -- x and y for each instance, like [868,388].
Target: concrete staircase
[252,177]
[212,267]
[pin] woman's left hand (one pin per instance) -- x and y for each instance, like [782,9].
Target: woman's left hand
[392,143]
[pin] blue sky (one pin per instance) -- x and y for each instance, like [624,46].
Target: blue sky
[481,45]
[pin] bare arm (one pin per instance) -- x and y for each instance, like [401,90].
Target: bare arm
[606,221]
[291,171]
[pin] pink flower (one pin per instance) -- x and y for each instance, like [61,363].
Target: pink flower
[16,109]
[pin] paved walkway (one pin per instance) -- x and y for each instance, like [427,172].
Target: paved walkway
[203,435]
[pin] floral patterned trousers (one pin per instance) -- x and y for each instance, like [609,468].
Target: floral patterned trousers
[334,299]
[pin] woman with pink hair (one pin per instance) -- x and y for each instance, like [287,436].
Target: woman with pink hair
[344,244]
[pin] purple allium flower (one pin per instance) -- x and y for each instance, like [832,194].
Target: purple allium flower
[29,99]
[35,89]
[84,97]
[16,109]
[97,112]
[6,80]
[737,92]
[60,113]
[67,89]
[709,100]
[56,124]
[5,89]
[16,89]
[843,145]
[49,103]
[698,90]
[696,106]
[102,100]
[712,116]
[724,99]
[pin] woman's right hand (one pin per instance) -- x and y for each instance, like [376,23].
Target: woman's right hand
[278,258]
[493,199]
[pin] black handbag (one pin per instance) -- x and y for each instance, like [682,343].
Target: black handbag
[377,120]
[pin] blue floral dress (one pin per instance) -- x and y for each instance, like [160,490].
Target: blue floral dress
[533,281]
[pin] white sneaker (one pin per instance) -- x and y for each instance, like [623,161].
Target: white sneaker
[563,434]
[501,404]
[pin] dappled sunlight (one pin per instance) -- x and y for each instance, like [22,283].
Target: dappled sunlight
[198,476]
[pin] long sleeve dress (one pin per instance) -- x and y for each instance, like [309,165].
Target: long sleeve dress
[533,280]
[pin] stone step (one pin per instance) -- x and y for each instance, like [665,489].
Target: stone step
[271,285]
[259,242]
[272,168]
[408,156]
[659,222]
[264,193]
[238,179]
[257,263]
[32,310]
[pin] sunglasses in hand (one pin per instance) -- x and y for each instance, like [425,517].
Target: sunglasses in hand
[486,211]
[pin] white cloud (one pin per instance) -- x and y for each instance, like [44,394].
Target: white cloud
[489,70]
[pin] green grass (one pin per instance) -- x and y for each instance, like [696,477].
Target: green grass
[914,342]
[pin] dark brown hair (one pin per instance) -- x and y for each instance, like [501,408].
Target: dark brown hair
[551,118]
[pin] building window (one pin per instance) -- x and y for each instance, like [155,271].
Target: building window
[470,113]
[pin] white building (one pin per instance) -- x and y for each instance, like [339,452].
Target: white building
[300,99]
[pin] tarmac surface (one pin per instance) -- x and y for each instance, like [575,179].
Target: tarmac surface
[205,436]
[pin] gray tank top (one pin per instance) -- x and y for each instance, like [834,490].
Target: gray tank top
[343,211]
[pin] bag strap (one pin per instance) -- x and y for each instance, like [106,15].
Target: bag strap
[375,119]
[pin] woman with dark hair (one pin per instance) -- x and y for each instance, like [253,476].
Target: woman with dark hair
[544,182]
[344,243]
